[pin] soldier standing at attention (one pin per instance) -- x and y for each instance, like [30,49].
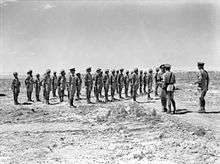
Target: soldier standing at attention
[61,83]
[145,81]
[126,82]
[130,81]
[54,84]
[47,82]
[203,85]
[101,84]
[97,79]
[117,74]
[135,84]
[140,82]
[113,83]
[149,82]
[156,80]
[106,82]
[163,94]
[79,86]
[169,81]
[120,82]
[38,84]
[88,84]
[29,82]
[72,86]
[15,87]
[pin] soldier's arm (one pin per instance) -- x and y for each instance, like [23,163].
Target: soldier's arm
[199,80]
[13,85]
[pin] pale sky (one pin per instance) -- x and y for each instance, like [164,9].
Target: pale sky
[108,34]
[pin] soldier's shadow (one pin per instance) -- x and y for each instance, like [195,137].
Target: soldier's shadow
[26,103]
[212,112]
[147,102]
[183,111]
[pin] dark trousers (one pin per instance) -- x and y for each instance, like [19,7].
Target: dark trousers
[112,92]
[156,89]
[78,89]
[145,85]
[126,90]
[106,89]
[202,99]
[170,99]
[88,93]
[120,87]
[134,94]
[29,95]
[140,88]
[61,95]
[15,96]
[37,94]
[54,91]
[96,93]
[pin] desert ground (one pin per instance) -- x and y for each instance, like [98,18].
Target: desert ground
[116,132]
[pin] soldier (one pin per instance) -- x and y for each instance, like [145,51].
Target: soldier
[15,87]
[131,87]
[88,84]
[145,81]
[203,85]
[117,74]
[106,82]
[120,82]
[162,89]
[169,81]
[113,83]
[47,82]
[61,83]
[29,82]
[98,82]
[38,84]
[156,80]
[72,86]
[135,83]
[149,82]
[101,84]
[126,82]
[54,84]
[140,82]
[79,86]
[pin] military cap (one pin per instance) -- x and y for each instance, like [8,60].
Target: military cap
[162,66]
[29,72]
[200,64]
[117,71]
[54,72]
[150,70]
[167,65]
[78,74]
[37,74]
[48,71]
[62,71]
[15,73]
[88,69]
[136,69]
[122,69]
[157,69]
[72,69]
[98,70]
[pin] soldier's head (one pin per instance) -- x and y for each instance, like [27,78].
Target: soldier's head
[106,71]
[121,70]
[62,72]
[48,71]
[54,73]
[72,70]
[127,72]
[136,70]
[200,65]
[141,72]
[29,72]
[38,75]
[145,72]
[167,67]
[117,72]
[88,70]
[150,71]
[157,69]
[78,74]
[15,74]
[98,71]
[162,68]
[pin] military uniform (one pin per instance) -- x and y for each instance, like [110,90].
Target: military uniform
[54,84]
[135,84]
[61,83]
[140,82]
[29,83]
[78,86]
[101,84]
[72,86]
[117,88]
[126,82]
[131,86]
[113,83]
[38,84]
[97,85]
[120,82]
[15,87]
[156,81]
[47,85]
[88,84]
[163,94]
[106,82]
[145,82]
[149,82]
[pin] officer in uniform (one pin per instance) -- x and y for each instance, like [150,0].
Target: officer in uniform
[140,82]
[149,82]
[126,82]
[97,79]
[88,84]
[72,86]
[203,85]
[163,94]
[106,82]
[29,82]
[113,83]
[120,82]
[145,81]
[156,80]
[168,81]
[15,87]
[135,84]
[54,84]
[47,84]
[79,86]
[61,83]
[38,84]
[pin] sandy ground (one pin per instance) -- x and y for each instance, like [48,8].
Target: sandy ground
[115,132]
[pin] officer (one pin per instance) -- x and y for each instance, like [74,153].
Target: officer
[149,83]
[15,87]
[156,80]
[72,86]
[97,79]
[47,84]
[54,84]
[29,82]
[135,84]
[140,82]
[106,82]
[88,84]
[120,82]
[61,83]
[117,88]
[38,84]
[169,81]
[145,81]
[126,82]
[162,87]
[113,83]
[79,86]
[203,85]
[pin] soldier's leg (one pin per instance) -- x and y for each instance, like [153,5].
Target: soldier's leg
[119,91]
[169,101]
[106,93]
[15,95]
[156,89]
[173,102]
[164,100]
[202,100]
[126,91]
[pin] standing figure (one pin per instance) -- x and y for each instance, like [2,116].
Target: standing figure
[106,82]
[131,86]
[47,85]
[203,85]
[72,86]
[145,81]
[120,82]
[113,83]
[126,82]
[135,84]
[61,83]
[156,81]
[149,82]
[29,83]
[54,84]
[15,87]
[38,84]
[141,82]
[163,94]
[97,79]
[88,84]
[117,74]
[101,84]
[78,86]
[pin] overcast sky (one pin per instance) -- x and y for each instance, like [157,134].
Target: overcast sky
[62,34]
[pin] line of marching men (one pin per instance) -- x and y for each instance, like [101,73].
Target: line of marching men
[113,82]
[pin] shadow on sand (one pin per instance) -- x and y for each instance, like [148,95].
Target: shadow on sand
[183,111]
[143,102]
[212,112]
[26,103]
